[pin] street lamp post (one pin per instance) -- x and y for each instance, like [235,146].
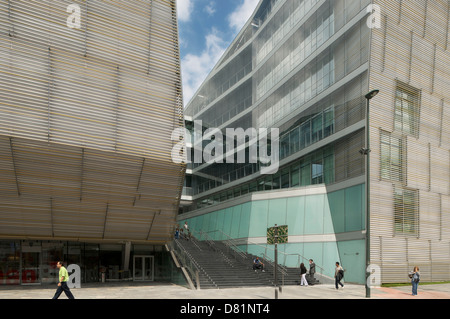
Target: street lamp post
[366,151]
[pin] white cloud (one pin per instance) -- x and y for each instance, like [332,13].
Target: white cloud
[239,17]
[184,10]
[210,10]
[197,67]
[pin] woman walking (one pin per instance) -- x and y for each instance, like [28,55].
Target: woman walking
[415,278]
[303,281]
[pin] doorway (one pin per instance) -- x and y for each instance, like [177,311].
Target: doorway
[143,268]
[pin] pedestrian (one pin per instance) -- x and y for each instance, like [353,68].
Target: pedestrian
[338,275]
[257,264]
[62,283]
[415,278]
[177,232]
[312,271]
[186,231]
[303,281]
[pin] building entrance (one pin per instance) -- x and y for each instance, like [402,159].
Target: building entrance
[143,268]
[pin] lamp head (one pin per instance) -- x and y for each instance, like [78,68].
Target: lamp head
[372,94]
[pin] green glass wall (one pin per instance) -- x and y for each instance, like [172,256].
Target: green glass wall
[315,219]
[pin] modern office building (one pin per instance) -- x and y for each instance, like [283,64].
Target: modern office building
[90,92]
[305,67]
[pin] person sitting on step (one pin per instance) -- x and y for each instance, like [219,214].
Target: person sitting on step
[257,264]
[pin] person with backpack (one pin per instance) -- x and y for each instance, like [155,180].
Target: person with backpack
[415,278]
[338,275]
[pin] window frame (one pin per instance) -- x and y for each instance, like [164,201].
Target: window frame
[401,221]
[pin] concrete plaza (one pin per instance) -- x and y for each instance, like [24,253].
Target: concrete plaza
[131,290]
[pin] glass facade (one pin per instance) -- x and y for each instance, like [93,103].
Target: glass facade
[301,67]
[303,71]
[307,215]
[34,262]
[304,67]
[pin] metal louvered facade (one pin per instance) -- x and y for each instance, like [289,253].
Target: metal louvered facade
[86,116]
[409,131]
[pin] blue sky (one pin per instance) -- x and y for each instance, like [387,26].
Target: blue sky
[206,29]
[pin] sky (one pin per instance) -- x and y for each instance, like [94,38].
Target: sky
[206,29]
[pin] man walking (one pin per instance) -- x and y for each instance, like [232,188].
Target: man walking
[62,284]
[312,271]
[338,275]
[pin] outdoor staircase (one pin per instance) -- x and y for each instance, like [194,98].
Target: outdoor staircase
[219,266]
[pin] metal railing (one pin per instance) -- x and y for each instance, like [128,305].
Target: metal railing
[238,252]
[188,263]
[229,243]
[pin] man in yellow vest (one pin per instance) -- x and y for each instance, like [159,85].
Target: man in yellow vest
[62,284]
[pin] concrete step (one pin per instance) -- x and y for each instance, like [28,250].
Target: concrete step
[222,270]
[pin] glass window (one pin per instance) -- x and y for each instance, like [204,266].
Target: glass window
[328,122]
[305,134]
[317,128]
[284,146]
[305,172]
[260,185]
[406,211]
[328,169]
[244,189]
[317,172]
[285,178]
[276,181]
[9,262]
[295,175]
[268,183]
[407,109]
[90,264]
[391,157]
[294,141]
[73,253]
[326,76]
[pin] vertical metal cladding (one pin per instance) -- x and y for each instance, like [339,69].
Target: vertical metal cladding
[86,116]
[410,159]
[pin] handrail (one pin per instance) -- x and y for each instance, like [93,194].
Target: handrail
[230,242]
[208,240]
[298,260]
[187,261]
[281,268]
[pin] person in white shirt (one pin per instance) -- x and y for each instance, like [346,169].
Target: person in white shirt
[338,275]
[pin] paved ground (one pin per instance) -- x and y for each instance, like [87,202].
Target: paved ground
[169,291]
